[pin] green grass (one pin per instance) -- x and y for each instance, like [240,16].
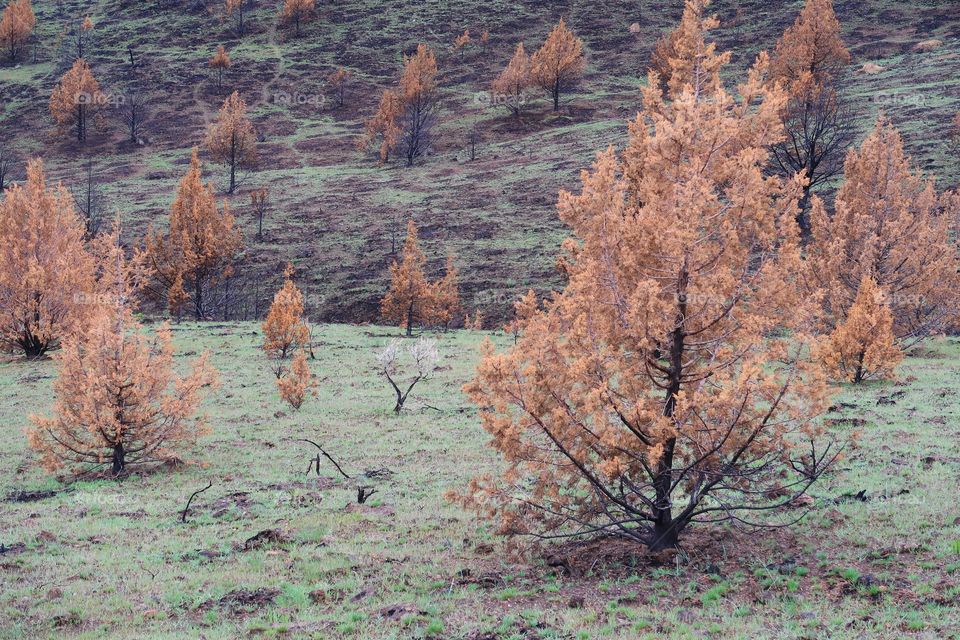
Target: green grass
[111,559]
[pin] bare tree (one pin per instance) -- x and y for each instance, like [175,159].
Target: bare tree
[395,226]
[423,355]
[953,138]
[237,7]
[416,139]
[133,110]
[819,131]
[81,37]
[90,200]
[236,296]
[75,41]
[473,137]
[7,162]
[260,200]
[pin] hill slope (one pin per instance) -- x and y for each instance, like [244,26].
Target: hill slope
[334,211]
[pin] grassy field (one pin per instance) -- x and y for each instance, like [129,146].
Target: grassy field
[334,211]
[100,558]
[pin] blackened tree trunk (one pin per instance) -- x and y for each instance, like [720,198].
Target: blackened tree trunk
[198,298]
[81,120]
[666,530]
[233,162]
[33,346]
[118,461]
[858,375]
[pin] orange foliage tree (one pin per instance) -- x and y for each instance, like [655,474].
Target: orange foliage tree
[76,100]
[670,382]
[864,346]
[811,46]
[445,297]
[663,50]
[46,274]
[410,297]
[418,91]
[461,41]
[689,60]
[406,114]
[232,139]
[513,82]
[807,61]
[285,333]
[384,126]
[16,25]
[559,63]
[890,225]
[296,12]
[297,383]
[118,401]
[338,82]
[199,247]
[284,330]
[221,62]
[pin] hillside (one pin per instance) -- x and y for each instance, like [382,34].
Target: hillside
[334,211]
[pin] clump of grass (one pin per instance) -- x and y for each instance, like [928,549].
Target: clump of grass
[293,596]
[348,626]
[434,628]
[714,594]
[914,622]
[506,624]
[849,574]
